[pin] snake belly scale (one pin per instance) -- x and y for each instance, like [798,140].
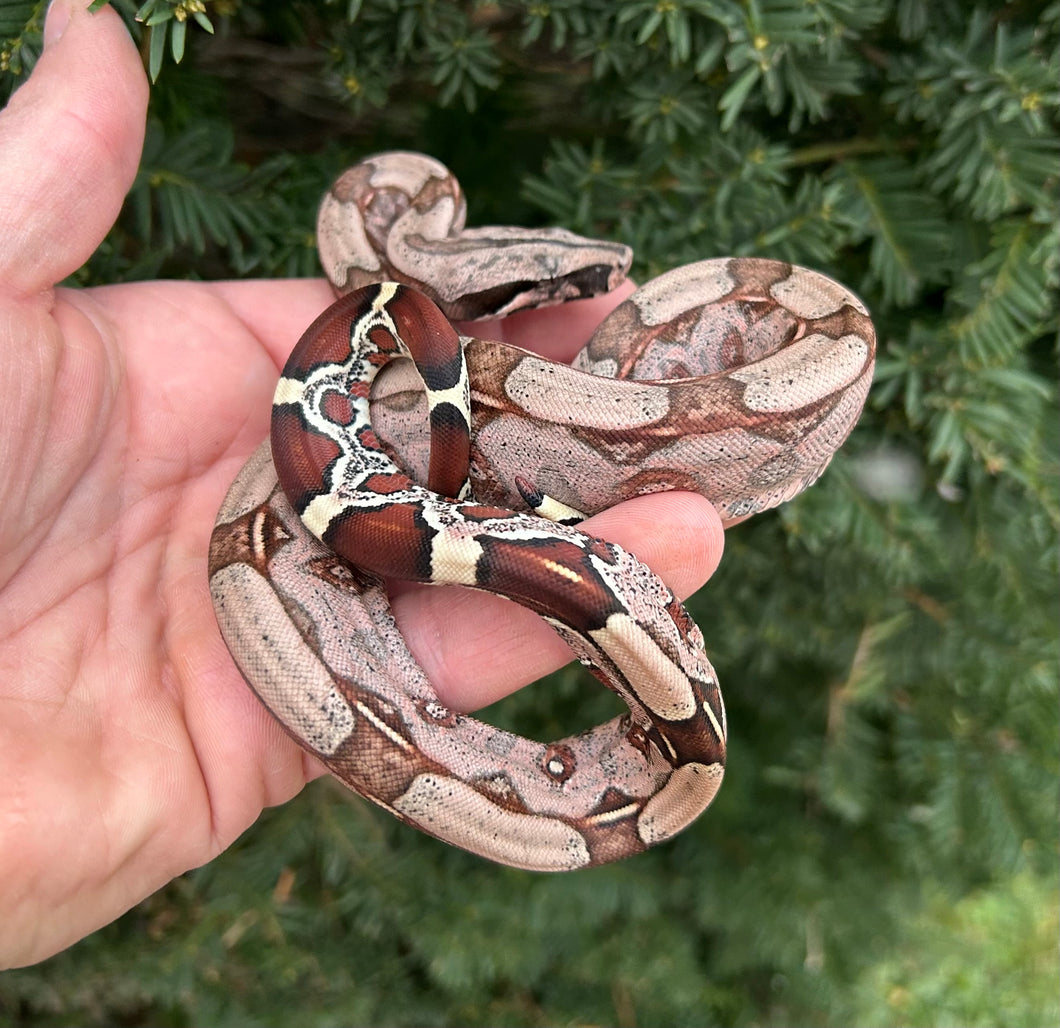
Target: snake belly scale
[738,378]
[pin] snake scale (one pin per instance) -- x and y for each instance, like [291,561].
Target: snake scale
[737,378]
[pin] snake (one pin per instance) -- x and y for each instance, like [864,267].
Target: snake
[400,448]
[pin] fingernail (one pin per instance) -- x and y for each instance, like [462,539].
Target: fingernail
[56,20]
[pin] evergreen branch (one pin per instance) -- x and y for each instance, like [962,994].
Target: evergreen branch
[21,23]
[991,417]
[1008,295]
[829,152]
[16,16]
[675,22]
[189,193]
[777,46]
[464,63]
[666,107]
[996,168]
[581,187]
[993,100]
[910,236]
[166,23]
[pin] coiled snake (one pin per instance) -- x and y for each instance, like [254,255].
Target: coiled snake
[737,378]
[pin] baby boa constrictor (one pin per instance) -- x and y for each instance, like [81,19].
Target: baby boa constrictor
[760,370]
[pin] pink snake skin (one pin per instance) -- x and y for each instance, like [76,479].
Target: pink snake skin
[737,378]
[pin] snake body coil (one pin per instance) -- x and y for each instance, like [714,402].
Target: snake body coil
[737,378]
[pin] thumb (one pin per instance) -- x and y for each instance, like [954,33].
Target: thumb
[70,142]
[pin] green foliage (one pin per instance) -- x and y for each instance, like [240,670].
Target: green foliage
[165,21]
[990,951]
[20,39]
[884,849]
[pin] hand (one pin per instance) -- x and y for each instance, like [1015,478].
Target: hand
[130,748]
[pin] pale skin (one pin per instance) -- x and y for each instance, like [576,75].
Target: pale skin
[130,748]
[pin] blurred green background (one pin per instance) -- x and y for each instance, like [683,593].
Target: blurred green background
[884,850]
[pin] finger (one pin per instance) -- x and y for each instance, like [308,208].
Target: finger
[70,141]
[276,312]
[477,648]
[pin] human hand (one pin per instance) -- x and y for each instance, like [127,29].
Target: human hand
[130,748]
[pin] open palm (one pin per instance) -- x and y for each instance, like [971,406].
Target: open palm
[130,749]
